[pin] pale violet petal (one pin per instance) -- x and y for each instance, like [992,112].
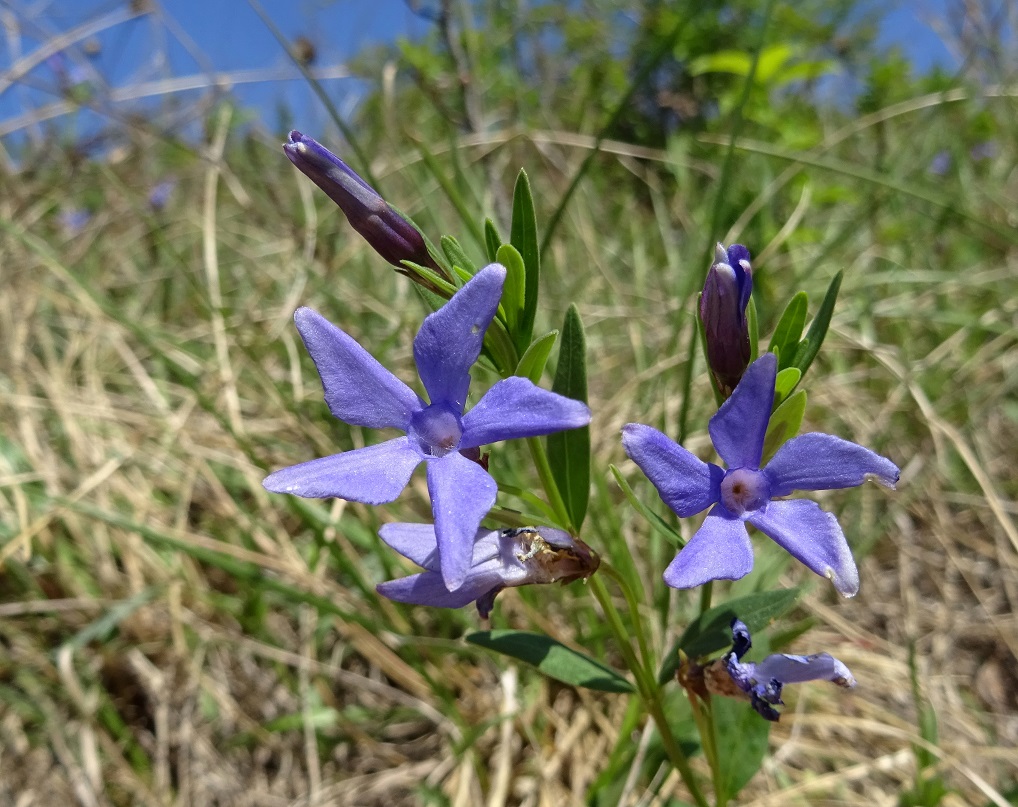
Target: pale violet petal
[720,550]
[373,475]
[516,407]
[817,461]
[813,537]
[738,428]
[450,340]
[358,390]
[790,669]
[686,483]
[428,588]
[416,542]
[462,493]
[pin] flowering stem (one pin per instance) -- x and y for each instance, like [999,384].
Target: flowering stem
[648,690]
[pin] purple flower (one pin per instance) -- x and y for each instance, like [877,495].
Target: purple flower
[160,194]
[723,314]
[940,164]
[73,220]
[763,681]
[359,391]
[720,549]
[388,233]
[501,559]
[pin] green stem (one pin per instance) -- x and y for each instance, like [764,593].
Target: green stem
[705,596]
[548,481]
[634,615]
[648,690]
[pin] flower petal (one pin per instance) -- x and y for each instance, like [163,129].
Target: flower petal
[817,461]
[416,542]
[462,493]
[686,483]
[739,427]
[797,669]
[720,550]
[813,537]
[517,407]
[358,389]
[450,340]
[428,588]
[373,475]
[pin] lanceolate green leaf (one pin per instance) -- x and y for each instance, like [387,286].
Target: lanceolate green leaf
[513,291]
[787,334]
[742,733]
[532,364]
[810,346]
[457,257]
[552,658]
[523,236]
[492,240]
[785,383]
[784,425]
[712,630]
[569,451]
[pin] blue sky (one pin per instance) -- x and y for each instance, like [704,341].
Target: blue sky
[192,37]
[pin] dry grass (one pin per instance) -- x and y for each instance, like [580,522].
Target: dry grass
[171,634]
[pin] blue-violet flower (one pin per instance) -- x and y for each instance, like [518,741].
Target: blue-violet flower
[761,682]
[745,492]
[726,293]
[501,559]
[359,391]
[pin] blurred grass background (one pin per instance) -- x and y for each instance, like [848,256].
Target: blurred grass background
[172,634]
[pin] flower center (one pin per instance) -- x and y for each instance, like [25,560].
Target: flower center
[435,430]
[744,490]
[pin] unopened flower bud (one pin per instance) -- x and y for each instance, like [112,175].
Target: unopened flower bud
[388,233]
[723,314]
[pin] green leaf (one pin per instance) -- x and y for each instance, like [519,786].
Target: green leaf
[712,630]
[784,425]
[513,290]
[492,240]
[742,734]
[788,332]
[810,346]
[569,451]
[457,257]
[532,364]
[552,658]
[785,383]
[523,236]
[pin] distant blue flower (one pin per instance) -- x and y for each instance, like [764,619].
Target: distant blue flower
[940,164]
[73,220]
[501,559]
[721,549]
[764,680]
[361,392]
[160,194]
[726,293]
[986,150]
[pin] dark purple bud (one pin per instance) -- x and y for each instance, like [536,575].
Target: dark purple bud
[389,234]
[723,313]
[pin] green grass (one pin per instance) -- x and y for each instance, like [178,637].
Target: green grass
[171,633]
